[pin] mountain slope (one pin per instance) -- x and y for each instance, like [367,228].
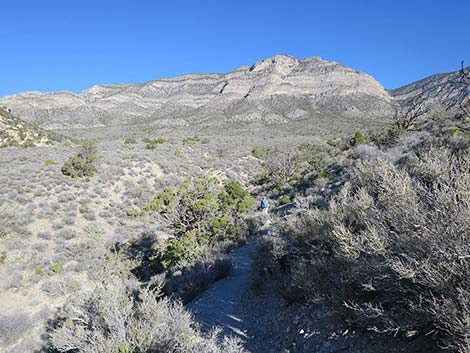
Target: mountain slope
[277,90]
[445,90]
[17,132]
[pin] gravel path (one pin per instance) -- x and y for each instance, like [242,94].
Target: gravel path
[220,304]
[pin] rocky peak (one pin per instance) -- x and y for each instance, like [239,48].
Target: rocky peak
[279,63]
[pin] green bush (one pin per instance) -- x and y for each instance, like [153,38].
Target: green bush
[50,162]
[83,163]
[236,197]
[358,139]
[38,271]
[200,215]
[454,130]
[163,202]
[134,212]
[152,144]
[57,267]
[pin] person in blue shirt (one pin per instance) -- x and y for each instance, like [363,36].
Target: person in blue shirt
[265,205]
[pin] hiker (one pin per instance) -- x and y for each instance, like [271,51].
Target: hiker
[265,205]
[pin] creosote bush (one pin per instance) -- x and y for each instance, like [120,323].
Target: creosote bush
[391,253]
[83,164]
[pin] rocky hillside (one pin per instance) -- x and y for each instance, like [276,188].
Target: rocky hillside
[17,132]
[446,90]
[310,94]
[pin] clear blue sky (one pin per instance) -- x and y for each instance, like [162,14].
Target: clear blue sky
[71,45]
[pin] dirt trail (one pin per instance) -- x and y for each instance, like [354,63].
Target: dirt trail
[221,305]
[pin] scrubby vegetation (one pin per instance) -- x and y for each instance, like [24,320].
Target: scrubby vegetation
[83,164]
[389,250]
[201,214]
[113,316]
[151,144]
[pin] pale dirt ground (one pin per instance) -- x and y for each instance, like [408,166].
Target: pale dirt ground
[128,176]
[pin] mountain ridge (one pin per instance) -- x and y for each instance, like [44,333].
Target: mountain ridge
[277,90]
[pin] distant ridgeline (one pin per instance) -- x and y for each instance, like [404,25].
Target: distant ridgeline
[303,96]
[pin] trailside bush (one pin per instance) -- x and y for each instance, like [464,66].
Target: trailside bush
[83,163]
[200,214]
[111,316]
[392,251]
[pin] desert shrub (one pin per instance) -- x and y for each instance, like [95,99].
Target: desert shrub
[151,144]
[28,144]
[134,212]
[191,140]
[50,162]
[10,219]
[260,152]
[282,165]
[454,130]
[334,142]
[90,215]
[83,163]
[112,316]
[316,156]
[130,141]
[236,197]
[13,325]
[200,214]
[44,234]
[391,253]
[83,209]
[358,139]
[57,267]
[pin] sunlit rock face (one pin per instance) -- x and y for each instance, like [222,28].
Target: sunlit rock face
[277,90]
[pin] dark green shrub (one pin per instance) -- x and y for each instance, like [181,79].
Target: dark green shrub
[235,196]
[200,215]
[83,163]
[151,144]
